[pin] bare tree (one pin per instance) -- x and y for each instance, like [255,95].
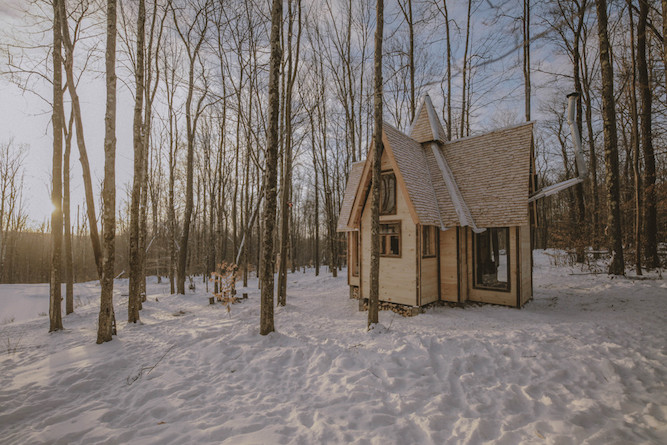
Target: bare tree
[55,314]
[374,292]
[285,207]
[632,88]
[136,272]
[617,265]
[68,44]
[650,198]
[271,178]
[106,323]
[192,35]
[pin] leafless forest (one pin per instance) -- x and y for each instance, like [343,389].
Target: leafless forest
[199,73]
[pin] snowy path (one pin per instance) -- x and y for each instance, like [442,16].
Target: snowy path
[585,362]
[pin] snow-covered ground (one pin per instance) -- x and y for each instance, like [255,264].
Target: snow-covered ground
[585,362]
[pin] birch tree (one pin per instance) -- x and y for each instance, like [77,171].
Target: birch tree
[55,314]
[106,323]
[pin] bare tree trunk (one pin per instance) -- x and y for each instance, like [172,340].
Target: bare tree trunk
[579,188]
[136,272]
[83,153]
[69,272]
[191,127]
[449,71]
[664,35]
[591,150]
[106,322]
[374,293]
[464,73]
[617,265]
[55,313]
[526,57]
[292,69]
[269,218]
[406,9]
[632,89]
[650,199]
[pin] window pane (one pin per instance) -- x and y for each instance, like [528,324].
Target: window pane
[395,241]
[492,258]
[387,193]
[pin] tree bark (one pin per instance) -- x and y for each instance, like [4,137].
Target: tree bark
[374,292]
[266,280]
[617,265]
[191,127]
[69,267]
[106,318]
[55,314]
[464,74]
[136,272]
[526,57]
[292,69]
[650,199]
[632,89]
[81,143]
[664,35]
[449,73]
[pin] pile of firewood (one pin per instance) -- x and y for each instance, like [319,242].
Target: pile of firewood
[400,309]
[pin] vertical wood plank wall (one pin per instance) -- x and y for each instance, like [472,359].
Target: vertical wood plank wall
[448,266]
[398,276]
[428,275]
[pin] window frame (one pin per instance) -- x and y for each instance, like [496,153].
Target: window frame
[508,251]
[433,241]
[385,239]
[384,174]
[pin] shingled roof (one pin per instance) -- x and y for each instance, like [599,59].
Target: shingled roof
[479,181]
[353,179]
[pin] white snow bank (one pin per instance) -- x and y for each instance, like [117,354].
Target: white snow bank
[585,362]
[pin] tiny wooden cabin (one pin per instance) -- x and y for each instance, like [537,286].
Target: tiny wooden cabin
[454,216]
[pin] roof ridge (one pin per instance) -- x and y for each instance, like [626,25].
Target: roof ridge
[435,196]
[497,130]
[462,210]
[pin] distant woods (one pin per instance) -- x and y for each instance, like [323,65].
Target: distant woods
[198,75]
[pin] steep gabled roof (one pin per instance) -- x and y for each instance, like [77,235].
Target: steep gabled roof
[479,181]
[412,170]
[426,126]
[492,171]
[353,179]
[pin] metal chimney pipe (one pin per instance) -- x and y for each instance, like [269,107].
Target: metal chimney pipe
[576,139]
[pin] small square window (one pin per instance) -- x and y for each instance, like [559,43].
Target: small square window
[390,239]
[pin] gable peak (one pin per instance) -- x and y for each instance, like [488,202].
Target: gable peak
[426,126]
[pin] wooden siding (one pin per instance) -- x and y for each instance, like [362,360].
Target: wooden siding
[492,296]
[464,235]
[448,266]
[428,274]
[525,264]
[398,276]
